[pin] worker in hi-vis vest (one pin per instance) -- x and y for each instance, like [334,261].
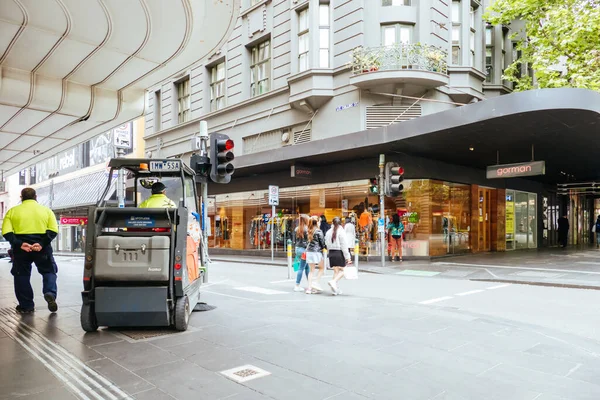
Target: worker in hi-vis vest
[30,228]
[158,199]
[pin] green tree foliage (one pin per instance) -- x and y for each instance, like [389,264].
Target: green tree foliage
[564,33]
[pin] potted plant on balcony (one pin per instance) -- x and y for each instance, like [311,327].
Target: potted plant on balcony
[364,61]
[435,57]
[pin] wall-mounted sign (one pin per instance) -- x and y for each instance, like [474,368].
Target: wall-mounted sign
[122,136]
[518,170]
[347,106]
[73,220]
[273,195]
[300,171]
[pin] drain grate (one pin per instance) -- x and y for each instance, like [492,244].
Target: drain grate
[245,373]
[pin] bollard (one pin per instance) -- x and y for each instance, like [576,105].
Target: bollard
[289,256]
[356,251]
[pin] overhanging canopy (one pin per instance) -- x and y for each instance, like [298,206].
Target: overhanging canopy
[562,126]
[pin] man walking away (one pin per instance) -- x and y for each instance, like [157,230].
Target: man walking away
[563,230]
[30,228]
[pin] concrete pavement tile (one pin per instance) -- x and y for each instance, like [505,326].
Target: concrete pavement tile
[185,380]
[61,393]
[543,383]
[11,351]
[191,349]
[78,349]
[27,376]
[226,337]
[535,362]
[347,396]
[588,372]
[100,337]
[153,394]
[293,386]
[123,378]
[418,352]
[287,335]
[135,355]
[219,359]
[563,352]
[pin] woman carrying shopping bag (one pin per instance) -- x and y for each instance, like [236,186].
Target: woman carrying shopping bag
[314,254]
[339,256]
[301,243]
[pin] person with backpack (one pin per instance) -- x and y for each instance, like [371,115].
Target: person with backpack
[395,230]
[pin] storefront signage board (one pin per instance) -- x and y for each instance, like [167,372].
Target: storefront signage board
[273,195]
[517,170]
[344,206]
[301,172]
[73,220]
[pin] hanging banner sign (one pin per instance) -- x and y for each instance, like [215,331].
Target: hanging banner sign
[518,170]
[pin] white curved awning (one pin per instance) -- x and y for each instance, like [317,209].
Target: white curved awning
[72,69]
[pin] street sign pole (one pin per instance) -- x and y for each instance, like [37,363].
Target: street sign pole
[273,201]
[381,207]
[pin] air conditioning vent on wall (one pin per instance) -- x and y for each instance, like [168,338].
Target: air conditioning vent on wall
[302,136]
[378,116]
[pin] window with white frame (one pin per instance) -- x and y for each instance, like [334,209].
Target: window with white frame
[456,34]
[489,53]
[217,87]
[387,3]
[303,40]
[260,68]
[183,100]
[396,34]
[324,35]
[472,33]
[503,48]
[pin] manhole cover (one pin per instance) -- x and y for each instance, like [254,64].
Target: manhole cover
[146,333]
[245,373]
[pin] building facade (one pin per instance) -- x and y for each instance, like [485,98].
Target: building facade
[300,72]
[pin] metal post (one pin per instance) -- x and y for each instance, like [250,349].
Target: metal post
[204,190]
[356,251]
[121,181]
[272,231]
[382,205]
[289,256]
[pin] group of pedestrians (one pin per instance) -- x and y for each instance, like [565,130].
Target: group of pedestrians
[313,237]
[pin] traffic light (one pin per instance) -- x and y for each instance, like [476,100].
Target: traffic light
[394,175]
[373,186]
[221,156]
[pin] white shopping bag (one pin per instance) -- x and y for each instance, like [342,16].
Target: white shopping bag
[350,272]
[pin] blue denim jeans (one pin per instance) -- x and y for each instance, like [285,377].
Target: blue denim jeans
[303,265]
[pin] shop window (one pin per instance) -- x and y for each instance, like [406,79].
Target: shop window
[217,87]
[260,68]
[472,33]
[183,100]
[23,177]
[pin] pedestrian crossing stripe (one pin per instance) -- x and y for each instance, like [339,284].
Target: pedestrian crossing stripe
[414,272]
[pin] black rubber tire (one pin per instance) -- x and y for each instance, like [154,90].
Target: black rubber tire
[182,313]
[88,318]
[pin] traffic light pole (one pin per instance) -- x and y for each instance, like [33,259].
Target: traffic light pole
[204,189]
[382,205]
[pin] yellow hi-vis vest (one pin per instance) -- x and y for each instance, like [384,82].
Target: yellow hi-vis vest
[29,217]
[158,201]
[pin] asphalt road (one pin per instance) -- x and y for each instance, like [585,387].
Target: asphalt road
[388,336]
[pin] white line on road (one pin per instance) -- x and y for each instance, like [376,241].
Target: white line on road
[498,286]
[228,295]
[256,289]
[572,370]
[285,280]
[519,268]
[469,292]
[213,283]
[436,300]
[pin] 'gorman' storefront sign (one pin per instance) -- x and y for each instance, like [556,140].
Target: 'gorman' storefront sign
[518,170]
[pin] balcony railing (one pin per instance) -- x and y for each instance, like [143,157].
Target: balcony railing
[417,56]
